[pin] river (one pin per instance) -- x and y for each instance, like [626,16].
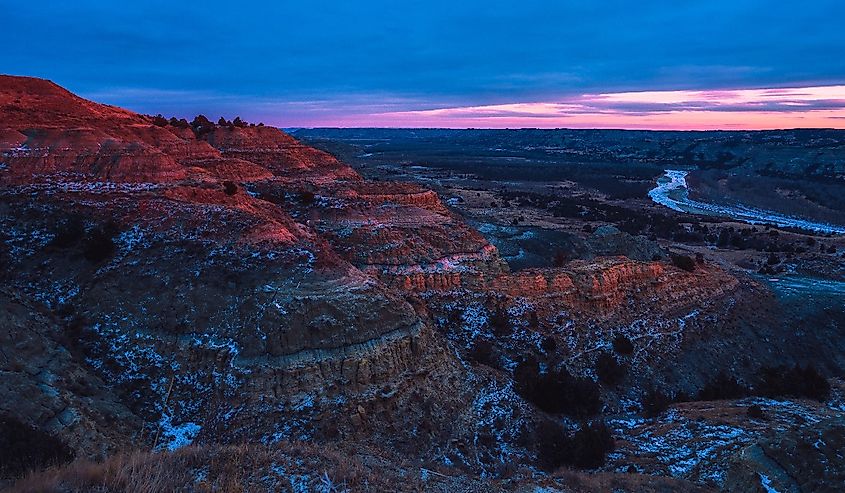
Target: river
[672,192]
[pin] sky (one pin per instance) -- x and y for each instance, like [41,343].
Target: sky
[732,64]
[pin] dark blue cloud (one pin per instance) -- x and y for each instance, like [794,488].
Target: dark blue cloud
[239,57]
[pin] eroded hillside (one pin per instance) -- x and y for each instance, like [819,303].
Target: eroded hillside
[168,283]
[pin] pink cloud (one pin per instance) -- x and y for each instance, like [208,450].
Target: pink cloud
[768,108]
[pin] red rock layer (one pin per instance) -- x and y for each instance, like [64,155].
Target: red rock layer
[607,284]
[400,233]
[280,153]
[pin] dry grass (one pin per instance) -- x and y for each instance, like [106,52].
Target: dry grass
[138,472]
[230,469]
[309,467]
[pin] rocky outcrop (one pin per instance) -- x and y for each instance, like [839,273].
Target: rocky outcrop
[46,383]
[280,153]
[85,155]
[192,294]
[610,241]
[233,284]
[802,460]
[752,444]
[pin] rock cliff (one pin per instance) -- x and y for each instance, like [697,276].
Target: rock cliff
[230,283]
[191,295]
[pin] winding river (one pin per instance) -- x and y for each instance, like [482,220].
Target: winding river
[672,192]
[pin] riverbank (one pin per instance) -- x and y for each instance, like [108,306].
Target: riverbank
[672,191]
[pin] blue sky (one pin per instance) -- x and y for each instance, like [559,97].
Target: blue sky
[319,62]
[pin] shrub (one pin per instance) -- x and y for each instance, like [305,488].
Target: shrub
[721,388]
[549,345]
[69,232]
[683,262]
[609,371]
[622,345]
[655,401]
[526,378]
[590,445]
[534,321]
[201,126]
[797,381]
[5,261]
[755,412]
[306,197]
[23,448]
[560,258]
[500,321]
[159,121]
[483,352]
[586,448]
[180,123]
[553,444]
[230,188]
[557,391]
[99,245]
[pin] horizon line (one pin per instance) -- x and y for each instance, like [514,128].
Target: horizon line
[584,129]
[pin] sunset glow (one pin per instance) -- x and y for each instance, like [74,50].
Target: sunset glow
[805,107]
[739,64]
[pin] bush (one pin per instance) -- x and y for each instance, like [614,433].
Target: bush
[201,126]
[500,321]
[557,391]
[585,449]
[534,321]
[683,262]
[560,259]
[797,381]
[306,197]
[622,345]
[483,352]
[23,448]
[722,387]
[99,245]
[549,345]
[655,401]
[590,445]
[609,371]
[69,233]
[755,412]
[230,188]
[180,123]
[553,445]
[159,121]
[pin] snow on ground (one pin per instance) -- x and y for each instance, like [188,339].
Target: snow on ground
[766,483]
[175,436]
[696,441]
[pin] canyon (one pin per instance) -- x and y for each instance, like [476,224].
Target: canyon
[182,291]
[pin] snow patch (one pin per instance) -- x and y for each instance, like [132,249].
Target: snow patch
[176,436]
